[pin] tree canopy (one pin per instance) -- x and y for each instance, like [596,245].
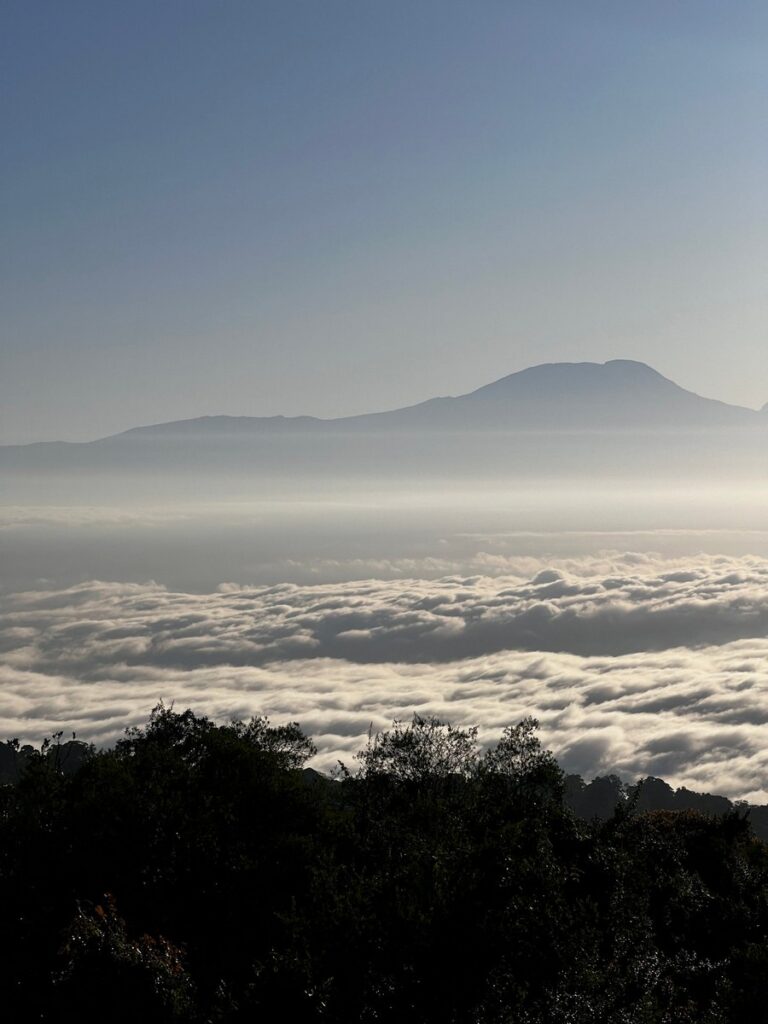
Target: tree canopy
[200,872]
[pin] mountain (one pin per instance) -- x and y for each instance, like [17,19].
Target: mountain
[554,419]
[620,394]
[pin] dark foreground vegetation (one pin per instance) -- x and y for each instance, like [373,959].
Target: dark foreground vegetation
[197,873]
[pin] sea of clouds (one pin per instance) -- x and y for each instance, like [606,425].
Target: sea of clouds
[632,662]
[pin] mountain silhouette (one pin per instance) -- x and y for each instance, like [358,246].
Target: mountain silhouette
[570,396]
[577,419]
[618,394]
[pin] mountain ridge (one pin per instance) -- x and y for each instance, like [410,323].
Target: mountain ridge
[562,396]
[581,421]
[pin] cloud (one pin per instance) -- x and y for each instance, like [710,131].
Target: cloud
[631,663]
[642,604]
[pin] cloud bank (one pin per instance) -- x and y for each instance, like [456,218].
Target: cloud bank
[631,662]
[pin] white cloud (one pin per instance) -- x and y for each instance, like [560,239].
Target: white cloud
[631,662]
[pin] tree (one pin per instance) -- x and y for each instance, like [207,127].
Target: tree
[425,749]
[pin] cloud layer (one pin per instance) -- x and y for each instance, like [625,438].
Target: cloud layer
[631,662]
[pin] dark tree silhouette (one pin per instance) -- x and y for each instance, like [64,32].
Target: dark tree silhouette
[199,872]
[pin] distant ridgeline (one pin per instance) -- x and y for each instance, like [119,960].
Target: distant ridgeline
[620,418]
[599,798]
[198,873]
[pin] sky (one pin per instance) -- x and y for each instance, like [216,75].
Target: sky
[229,206]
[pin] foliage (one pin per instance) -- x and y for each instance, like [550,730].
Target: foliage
[198,872]
[100,959]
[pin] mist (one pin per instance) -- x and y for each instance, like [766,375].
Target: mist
[628,617]
[346,529]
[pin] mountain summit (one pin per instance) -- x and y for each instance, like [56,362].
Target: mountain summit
[620,394]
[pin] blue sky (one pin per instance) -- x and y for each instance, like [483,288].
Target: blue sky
[247,207]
